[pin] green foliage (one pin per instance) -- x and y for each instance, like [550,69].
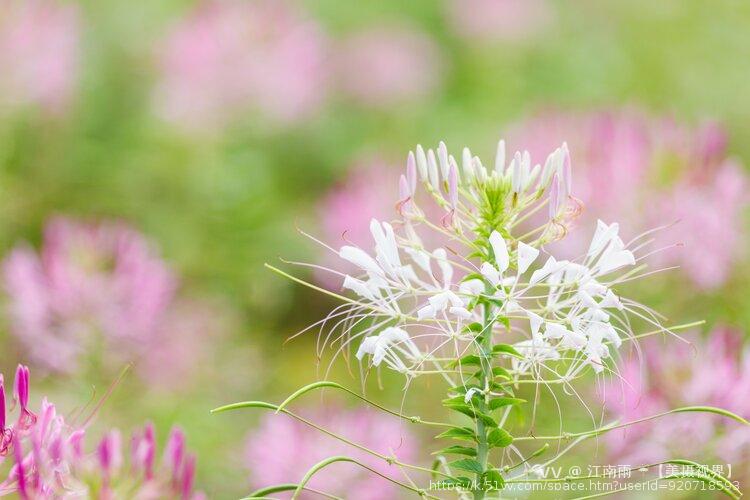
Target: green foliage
[464,433]
[457,450]
[499,438]
[467,464]
[500,402]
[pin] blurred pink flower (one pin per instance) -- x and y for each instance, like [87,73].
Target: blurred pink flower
[281,450]
[367,192]
[228,58]
[633,168]
[89,280]
[388,65]
[184,340]
[712,372]
[43,457]
[490,21]
[39,53]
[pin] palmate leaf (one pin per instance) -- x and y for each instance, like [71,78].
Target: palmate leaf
[457,450]
[465,433]
[471,359]
[499,438]
[496,403]
[467,464]
[506,349]
[470,411]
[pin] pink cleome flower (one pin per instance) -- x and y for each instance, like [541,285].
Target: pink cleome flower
[637,168]
[90,281]
[489,21]
[712,372]
[43,457]
[228,58]
[39,53]
[281,450]
[388,65]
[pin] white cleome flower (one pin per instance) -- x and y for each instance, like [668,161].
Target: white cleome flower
[390,345]
[565,311]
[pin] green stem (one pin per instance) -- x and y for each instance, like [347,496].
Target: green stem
[486,364]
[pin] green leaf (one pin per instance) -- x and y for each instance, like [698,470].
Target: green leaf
[468,464]
[457,450]
[465,433]
[472,276]
[506,349]
[503,401]
[499,371]
[470,411]
[474,327]
[493,480]
[505,322]
[471,359]
[499,438]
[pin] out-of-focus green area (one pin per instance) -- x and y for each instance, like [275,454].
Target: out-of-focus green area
[221,206]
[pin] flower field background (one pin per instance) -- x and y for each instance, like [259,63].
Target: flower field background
[155,155]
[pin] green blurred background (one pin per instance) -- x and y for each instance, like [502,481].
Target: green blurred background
[221,205]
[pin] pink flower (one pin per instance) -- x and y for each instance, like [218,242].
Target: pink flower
[89,280]
[491,21]
[183,341]
[39,53]
[282,449]
[712,372]
[228,58]
[388,65]
[47,459]
[637,168]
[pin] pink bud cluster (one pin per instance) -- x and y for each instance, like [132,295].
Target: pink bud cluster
[44,457]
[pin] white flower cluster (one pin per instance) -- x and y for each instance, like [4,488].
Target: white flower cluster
[413,306]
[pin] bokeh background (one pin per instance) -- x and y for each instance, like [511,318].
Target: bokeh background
[154,155]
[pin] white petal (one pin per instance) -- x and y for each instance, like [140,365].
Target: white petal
[526,256]
[445,266]
[420,258]
[500,157]
[500,249]
[471,287]
[535,321]
[615,260]
[461,312]
[422,163]
[426,312]
[360,258]
[432,170]
[611,301]
[489,272]
[555,330]
[602,236]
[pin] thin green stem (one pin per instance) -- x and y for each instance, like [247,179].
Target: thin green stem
[485,347]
